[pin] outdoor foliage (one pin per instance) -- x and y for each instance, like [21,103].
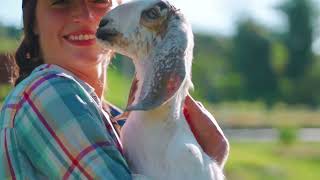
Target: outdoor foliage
[255,64]
[251,58]
[298,39]
[4,90]
[257,78]
[9,38]
[267,160]
[288,135]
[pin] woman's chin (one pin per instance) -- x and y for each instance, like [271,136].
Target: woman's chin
[85,55]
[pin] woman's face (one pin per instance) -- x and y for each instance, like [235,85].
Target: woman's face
[67,28]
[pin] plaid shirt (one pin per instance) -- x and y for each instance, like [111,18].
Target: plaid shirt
[52,126]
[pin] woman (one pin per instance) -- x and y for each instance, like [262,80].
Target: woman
[54,123]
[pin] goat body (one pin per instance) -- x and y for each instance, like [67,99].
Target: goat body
[156,138]
[165,148]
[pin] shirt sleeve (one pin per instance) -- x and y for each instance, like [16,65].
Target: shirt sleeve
[62,133]
[9,165]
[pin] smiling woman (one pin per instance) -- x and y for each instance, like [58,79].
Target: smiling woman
[55,124]
[71,23]
[52,125]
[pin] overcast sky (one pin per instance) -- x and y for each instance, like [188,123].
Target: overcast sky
[210,16]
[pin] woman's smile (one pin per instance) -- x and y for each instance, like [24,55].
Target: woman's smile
[67,29]
[81,38]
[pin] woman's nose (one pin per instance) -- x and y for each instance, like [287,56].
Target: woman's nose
[82,12]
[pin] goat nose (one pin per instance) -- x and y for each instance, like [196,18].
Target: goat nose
[103,22]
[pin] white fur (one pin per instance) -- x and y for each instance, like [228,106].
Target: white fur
[158,143]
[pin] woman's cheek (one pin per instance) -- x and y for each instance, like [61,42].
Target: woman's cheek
[99,13]
[58,15]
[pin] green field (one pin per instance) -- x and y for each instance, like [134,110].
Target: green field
[254,161]
[257,115]
[248,161]
[8,45]
[118,87]
[273,161]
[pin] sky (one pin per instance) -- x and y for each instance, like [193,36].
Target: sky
[217,17]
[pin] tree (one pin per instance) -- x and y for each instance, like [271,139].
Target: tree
[252,59]
[299,36]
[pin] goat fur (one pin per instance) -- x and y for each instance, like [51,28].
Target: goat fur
[156,138]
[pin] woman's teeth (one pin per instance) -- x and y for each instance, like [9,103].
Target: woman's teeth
[81,37]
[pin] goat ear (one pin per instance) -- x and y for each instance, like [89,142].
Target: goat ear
[133,90]
[163,79]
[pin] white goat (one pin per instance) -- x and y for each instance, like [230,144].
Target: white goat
[157,140]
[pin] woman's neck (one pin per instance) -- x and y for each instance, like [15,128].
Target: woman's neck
[94,75]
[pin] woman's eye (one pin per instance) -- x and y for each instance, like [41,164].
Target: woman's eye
[60,2]
[103,2]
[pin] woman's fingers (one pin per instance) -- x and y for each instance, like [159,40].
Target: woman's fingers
[206,130]
[197,110]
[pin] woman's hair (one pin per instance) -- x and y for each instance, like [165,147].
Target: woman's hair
[28,56]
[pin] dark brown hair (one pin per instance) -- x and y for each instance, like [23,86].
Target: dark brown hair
[28,56]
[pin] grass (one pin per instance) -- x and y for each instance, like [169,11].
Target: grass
[4,90]
[8,45]
[273,161]
[257,115]
[118,88]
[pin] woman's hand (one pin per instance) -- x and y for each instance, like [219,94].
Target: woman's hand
[206,130]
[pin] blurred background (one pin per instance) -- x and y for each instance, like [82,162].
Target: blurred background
[257,70]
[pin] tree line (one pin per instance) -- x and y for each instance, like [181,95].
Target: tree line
[255,64]
[258,64]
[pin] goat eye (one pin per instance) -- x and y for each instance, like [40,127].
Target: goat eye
[152,13]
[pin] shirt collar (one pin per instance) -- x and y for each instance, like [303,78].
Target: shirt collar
[56,68]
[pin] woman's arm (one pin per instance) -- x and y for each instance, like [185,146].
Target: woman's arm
[60,130]
[206,130]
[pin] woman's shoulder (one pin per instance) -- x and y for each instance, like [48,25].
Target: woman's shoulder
[42,86]
[43,77]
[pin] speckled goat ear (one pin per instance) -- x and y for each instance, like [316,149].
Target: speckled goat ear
[163,78]
[166,67]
